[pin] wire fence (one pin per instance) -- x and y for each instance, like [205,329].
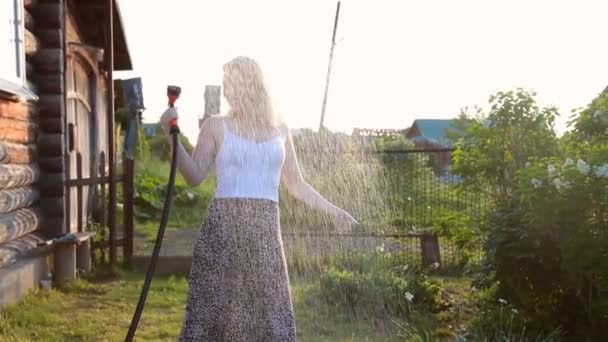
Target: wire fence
[418,189]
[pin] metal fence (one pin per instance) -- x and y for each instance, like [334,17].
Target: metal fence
[419,188]
[423,187]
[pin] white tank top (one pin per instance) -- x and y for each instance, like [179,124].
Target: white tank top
[247,169]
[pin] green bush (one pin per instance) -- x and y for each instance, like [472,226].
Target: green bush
[376,283]
[496,319]
[189,204]
[549,248]
[464,230]
[159,145]
[545,244]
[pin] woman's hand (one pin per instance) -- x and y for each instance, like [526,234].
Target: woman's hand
[344,222]
[167,117]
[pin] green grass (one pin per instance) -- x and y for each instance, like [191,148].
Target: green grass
[101,310]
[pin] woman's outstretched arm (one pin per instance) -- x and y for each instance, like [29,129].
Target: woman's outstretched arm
[196,167]
[298,187]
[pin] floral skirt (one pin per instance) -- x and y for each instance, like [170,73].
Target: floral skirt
[239,287]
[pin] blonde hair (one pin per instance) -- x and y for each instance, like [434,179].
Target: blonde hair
[245,81]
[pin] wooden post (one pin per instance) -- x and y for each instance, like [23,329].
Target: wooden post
[127,190]
[429,245]
[64,260]
[83,256]
[102,173]
[79,191]
[109,49]
[212,102]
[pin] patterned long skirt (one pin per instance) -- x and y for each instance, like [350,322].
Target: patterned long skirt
[239,287]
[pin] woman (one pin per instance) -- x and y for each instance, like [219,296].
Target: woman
[239,287]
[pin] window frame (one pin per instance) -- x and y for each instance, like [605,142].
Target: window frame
[13,80]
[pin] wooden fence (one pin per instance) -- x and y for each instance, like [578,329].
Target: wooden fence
[118,235]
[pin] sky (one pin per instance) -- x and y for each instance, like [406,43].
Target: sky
[394,61]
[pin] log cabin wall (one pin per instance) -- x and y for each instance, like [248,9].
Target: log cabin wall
[21,216]
[35,157]
[48,72]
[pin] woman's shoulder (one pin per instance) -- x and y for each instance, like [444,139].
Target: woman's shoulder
[212,127]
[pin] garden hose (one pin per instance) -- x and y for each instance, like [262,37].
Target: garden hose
[163,221]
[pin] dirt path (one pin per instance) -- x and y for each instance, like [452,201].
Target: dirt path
[176,242]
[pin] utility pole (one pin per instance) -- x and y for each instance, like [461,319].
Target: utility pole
[212,103]
[331,56]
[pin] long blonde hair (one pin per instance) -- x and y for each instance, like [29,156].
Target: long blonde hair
[245,84]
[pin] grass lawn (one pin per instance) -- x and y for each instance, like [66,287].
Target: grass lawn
[101,310]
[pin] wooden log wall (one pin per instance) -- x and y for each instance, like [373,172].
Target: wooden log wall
[48,76]
[25,139]
[20,214]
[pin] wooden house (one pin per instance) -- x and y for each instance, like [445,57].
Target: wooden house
[431,134]
[56,121]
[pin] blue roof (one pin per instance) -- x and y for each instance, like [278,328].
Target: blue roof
[434,129]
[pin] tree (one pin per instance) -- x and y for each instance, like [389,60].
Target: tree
[591,124]
[515,132]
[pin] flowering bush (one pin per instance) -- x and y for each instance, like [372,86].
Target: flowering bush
[546,244]
[550,246]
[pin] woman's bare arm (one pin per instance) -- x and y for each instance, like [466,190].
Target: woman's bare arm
[196,167]
[296,186]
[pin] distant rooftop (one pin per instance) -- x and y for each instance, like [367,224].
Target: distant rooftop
[431,129]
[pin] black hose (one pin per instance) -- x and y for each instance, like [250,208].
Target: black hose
[159,238]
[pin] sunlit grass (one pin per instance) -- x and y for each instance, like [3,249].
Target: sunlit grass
[101,310]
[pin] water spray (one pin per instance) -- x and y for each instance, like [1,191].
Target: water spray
[173,93]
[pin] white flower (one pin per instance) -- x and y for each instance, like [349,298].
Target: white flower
[435,266]
[560,185]
[536,182]
[380,248]
[551,170]
[514,311]
[582,167]
[502,301]
[569,162]
[601,171]
[409,296]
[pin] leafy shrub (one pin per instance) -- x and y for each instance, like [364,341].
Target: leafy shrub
[462,229]
[159,145]
[546,242]
[375,283]
[189,203]
[496,319]
[549,248]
